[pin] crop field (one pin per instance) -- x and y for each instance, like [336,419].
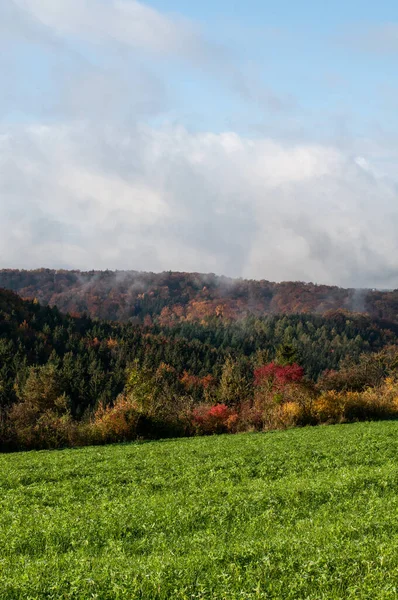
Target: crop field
[310,513]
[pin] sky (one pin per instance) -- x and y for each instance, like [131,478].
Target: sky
[255,139]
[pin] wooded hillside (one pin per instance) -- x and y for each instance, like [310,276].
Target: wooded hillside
[63,377]
[171,297]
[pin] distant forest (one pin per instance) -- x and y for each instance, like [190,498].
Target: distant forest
[171,297]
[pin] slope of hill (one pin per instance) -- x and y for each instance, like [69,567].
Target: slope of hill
[58,370]
[171,297]
[86,350]
[307,513]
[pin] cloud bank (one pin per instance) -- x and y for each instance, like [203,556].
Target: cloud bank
[156,199]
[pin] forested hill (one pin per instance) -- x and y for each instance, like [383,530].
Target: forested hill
[58,370]
[171,297]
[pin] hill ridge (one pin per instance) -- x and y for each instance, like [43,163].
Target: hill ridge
[174,296]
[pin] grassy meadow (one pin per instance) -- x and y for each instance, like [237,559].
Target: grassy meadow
[307,513]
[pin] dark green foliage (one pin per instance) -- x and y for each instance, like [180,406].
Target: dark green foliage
[91,356]
[286,354]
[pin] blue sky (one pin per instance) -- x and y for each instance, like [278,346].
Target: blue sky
[317,59]
[255,139]
[320,54]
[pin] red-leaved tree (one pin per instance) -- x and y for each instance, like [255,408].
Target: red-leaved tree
[276,376]
[214,419]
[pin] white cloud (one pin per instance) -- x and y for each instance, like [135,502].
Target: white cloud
[117,30]
[125,21]
[167,199]
[45,75]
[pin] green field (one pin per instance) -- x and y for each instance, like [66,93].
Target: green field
[310,513]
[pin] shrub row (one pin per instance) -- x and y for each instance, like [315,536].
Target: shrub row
[277,404]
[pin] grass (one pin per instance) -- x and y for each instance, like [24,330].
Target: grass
[310,513]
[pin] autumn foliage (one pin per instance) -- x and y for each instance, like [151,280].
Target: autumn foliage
[172,297]
[214,419]
[277,375]
[68,381]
